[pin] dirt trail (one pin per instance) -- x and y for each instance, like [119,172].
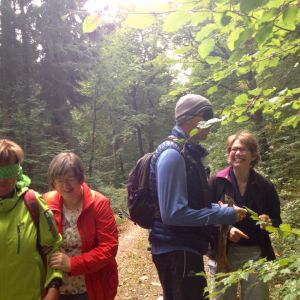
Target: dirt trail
[137,275]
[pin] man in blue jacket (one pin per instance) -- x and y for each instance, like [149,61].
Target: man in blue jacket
[180,235]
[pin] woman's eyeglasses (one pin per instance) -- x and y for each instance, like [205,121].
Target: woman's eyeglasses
[236,149]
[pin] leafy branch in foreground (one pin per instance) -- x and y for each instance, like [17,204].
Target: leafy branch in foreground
[284,272]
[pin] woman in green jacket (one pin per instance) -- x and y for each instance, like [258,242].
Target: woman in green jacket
[23,271]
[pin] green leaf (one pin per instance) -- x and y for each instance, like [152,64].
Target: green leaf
[285,227]
[244,36]
[296,105]
[269,15]
[255,92]
[193,132]
[199,17]
[90,24]
[264,32]
[247,5]
[233,37]
[274,62]
[290,16]
[268,92]
[206,47]
[175,21]
[243,70]
[205,32]
[291,121]
[212,60]
[182,50]
[221,74]
[241,99]
[139,21]
[242,119]
[296,91]
[212,90]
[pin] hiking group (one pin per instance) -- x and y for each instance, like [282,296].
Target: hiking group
[184,208]
[62,245]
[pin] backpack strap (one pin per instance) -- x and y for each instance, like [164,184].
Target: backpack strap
[32,206]
[34,210]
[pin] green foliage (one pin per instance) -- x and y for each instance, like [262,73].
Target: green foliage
[269,271]
[118,197]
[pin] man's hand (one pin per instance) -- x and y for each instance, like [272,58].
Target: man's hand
[52,294]
[235,235]
[60,261]
[241,213]
[266,219]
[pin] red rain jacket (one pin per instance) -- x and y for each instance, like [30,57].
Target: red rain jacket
[99,236]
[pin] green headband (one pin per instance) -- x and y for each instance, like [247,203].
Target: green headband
[10,171]
[15,171]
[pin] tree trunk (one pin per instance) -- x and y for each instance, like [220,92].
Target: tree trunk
[93,137]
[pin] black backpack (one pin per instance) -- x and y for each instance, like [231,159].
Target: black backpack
[141,205]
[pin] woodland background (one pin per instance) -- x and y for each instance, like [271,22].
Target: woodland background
[105,84]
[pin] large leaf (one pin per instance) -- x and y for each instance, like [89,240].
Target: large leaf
[175,21]
[206,47]
[199,17]
[140,21]
[205,31]
[241,99]
[243,37]
[291,121]
[264,33]
[233,37]
[248,5]
[212,90]
[290,16]
[90,23]
[212,60]
[242,119]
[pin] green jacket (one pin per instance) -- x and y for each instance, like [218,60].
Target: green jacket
[22,272]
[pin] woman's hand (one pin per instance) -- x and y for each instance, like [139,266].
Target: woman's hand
[60,261]
[52,294]
[235,235]
[266,219]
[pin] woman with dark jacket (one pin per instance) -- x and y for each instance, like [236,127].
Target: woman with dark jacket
[86,221]
[246,240]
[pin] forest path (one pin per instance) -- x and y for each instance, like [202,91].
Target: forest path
[137,274]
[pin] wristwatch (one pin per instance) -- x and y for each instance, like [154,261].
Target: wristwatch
[55,283]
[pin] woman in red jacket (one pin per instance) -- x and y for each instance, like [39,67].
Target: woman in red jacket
[86,221]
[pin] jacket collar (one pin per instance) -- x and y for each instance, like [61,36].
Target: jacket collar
[198,148]
[225,175]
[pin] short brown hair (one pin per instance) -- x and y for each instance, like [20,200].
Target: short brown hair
[62,163]
[10,152]
[249,140]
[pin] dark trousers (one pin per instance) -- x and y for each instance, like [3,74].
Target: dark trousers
[176,271]
[74,297]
